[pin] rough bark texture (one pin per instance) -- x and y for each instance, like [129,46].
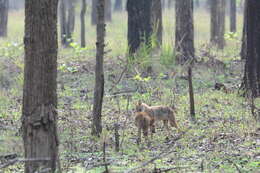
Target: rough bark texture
[139,24]
[39,113]
[118,5]
[99,72]
[218,23]
[233,15]
[184,32]
[108,13]
[157,21]
[4,6]
[82,23]
[252,51]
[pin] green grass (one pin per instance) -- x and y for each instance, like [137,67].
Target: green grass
[224,139]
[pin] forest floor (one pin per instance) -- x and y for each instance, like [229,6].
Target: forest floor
[224,138]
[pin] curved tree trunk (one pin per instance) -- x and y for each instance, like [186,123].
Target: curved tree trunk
[4,6]
[99,72]
[39,113]
[139,24]
[82,23]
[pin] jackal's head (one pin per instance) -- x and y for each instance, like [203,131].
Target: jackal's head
[138,106]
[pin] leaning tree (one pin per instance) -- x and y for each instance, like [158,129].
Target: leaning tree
[39,112]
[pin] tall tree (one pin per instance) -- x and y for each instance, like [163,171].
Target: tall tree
[82,23]
[39,115]
[4,6]
[156,20]
[184,31]
[118,5]
[108,13]
[139,24]
[184,42]
[252,50]
[218,23]
[99,72]
[233,15]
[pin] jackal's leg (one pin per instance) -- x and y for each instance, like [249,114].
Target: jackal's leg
[139,135]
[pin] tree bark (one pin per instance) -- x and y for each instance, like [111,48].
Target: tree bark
[4,6]
[233,15]
[157,21]
[218,23]
[252,50]
[39,115]
[118,5]
[82,23]
[108,14]
[243,47]
[184,31]
[99,72]
[139,24]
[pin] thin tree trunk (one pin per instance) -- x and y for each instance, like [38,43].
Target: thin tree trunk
[118,5]
[157,21]
[71,16]
[99,72]
[82,22]
[191,94]
[233,16]
[39,114]
[4,7]
[62,10]
[108,13]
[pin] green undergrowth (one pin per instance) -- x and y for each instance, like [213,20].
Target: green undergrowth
[224,138]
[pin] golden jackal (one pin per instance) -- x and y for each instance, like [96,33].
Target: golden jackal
[164,113]
[144,122]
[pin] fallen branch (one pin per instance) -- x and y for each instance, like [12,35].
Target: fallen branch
[14,161]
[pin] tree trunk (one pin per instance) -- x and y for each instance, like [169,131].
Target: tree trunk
[218,23]
[139,24]
[184,32]
[157,21]
[252,50]
[243,47]
[233,15]
[108,15]
[4,6]
[99,72]
[82,23]
[39,114]
[118,5]
[71,16]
